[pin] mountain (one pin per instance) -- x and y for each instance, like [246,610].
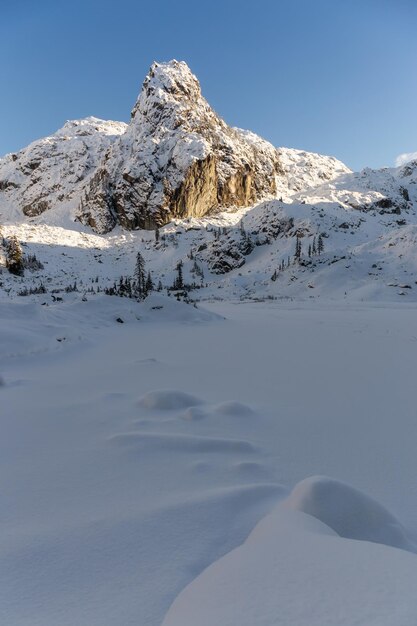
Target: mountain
[243,217]
[177,158]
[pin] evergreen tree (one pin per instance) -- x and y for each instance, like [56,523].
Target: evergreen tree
[246,244]
[179,281]
[297,254]
[128,287]
[14,256]
[149,286]
[156,234]
[309,250]
[313,248]
[320,244]
[140,277]
[121,287]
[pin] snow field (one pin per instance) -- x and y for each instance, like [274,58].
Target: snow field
[134,456]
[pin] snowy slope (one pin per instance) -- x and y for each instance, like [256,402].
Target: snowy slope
[49,173]
[307,170]
[369,254]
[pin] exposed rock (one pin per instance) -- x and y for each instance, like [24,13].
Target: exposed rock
[36,207]
[224,256]
[228,249]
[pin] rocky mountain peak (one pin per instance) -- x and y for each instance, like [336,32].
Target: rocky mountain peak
[167,83]
[178,158]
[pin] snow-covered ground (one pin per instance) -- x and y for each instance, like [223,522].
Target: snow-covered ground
[135,455]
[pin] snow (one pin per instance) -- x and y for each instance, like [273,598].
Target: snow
[168,400]
[50,173]
[293,570]
[347,511]
[122,503]
[307,170]
[404,158]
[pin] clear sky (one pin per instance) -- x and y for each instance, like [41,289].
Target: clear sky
[337,77]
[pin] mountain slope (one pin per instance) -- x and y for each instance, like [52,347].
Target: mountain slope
[50,172]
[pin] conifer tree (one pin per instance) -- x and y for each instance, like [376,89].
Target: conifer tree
[179,281]
[149,286]
[128,287]
[320,244]
[297,254]
[14,256]
[140,277]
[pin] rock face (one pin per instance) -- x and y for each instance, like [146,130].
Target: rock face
[52,171]
[177,158]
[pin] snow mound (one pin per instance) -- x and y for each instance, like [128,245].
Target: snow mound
[181,443]
[193,413]
[349,512]
[234,409]
[251,470]
[168,400]
[293,570]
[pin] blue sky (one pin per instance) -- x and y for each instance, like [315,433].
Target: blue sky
[337,77]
